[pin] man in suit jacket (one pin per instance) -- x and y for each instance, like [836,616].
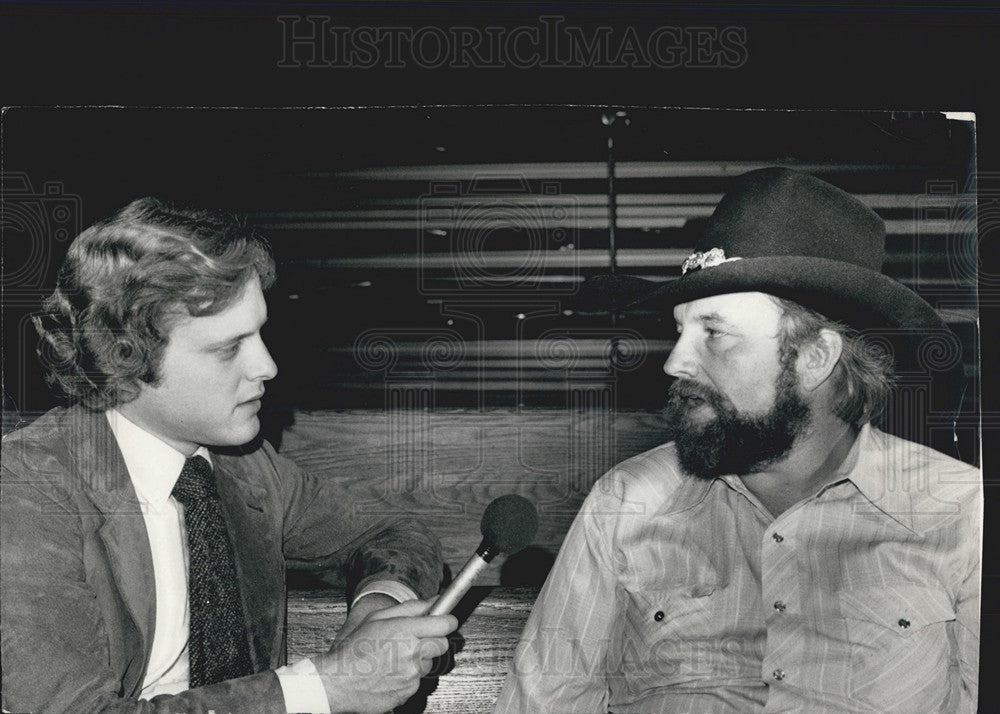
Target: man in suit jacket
[154,333]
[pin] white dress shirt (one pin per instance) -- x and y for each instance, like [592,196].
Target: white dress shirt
[154,468]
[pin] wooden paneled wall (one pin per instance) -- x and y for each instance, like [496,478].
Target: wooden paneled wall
[445,467]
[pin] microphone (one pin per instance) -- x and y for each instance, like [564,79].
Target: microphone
[508,525]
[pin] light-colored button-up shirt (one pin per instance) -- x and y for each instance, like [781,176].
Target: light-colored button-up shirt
[674,594]
[154,468]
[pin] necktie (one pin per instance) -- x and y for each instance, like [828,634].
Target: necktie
[218,645]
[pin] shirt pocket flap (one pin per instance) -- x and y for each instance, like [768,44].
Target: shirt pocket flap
[902,608]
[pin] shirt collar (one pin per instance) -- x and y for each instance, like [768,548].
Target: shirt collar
[865,467]
[153,465]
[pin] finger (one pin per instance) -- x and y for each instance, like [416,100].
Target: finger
[424,666]
[436,626]
[431,647]
[410,608]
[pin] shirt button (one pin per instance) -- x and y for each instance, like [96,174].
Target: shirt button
[658,616]
[777,537]
[903,622]
[779,606]
[778,674]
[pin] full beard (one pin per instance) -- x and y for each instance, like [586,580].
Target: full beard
[730,442]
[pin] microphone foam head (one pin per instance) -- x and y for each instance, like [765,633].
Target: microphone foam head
[510,522]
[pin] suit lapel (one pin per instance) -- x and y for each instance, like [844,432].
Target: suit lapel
[102,472]
[100,469]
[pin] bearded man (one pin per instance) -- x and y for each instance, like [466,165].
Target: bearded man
[782,553]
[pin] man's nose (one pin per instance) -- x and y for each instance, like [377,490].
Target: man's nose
[681,362]
[263,366]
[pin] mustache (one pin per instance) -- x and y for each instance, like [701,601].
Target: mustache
[688,389]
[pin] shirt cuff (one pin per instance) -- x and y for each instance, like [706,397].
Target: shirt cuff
[393,588]
[302,688]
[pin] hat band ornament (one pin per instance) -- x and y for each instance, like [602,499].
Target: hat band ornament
[708,259]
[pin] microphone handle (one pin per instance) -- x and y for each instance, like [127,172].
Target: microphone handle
[459,586]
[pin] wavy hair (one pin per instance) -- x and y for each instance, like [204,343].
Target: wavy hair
[863,377]
[123,283]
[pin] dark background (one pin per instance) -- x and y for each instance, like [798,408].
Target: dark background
[900,58]
[349,199]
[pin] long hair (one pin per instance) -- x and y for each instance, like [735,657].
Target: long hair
[863,377]
[123,283]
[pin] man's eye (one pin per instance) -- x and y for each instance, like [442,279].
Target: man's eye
[712,333]
[227,353]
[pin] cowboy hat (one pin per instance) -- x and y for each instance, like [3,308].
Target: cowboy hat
[791,235]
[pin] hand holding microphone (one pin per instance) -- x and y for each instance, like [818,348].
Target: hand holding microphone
[378,664]
[508,525]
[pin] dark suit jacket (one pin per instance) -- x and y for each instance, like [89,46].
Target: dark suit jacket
[76,573]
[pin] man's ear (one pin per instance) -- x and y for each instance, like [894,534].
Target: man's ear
[818,358]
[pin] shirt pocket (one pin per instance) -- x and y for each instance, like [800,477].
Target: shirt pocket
[899,646]
[670,636]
